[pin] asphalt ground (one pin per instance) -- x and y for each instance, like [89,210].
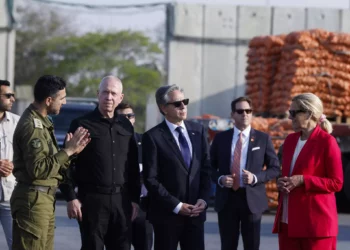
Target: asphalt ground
[67,235]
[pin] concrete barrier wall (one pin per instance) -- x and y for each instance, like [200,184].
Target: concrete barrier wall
[7,44]
[207,46]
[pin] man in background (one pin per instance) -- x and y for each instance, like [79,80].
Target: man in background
[142,230]
[8,123]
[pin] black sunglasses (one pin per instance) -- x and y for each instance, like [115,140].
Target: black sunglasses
[130,115]
[293,113]
[9,95]
[240,111]
[178,103]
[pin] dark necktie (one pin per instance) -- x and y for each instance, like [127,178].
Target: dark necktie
[185,149]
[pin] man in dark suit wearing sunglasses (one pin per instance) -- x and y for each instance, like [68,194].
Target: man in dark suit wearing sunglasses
[177,174]
[239,156]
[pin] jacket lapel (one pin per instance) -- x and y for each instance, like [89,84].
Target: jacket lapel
[251,144]
[193,134]
[169,138]
[288,152]
[226,150]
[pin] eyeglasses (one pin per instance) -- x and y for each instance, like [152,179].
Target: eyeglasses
[9,95]
[178,104]
[240,111]
[130,115]
[293,113]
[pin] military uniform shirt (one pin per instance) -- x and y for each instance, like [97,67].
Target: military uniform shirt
[37,158]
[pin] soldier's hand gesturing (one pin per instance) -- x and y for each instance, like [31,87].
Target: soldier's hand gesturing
[76,142]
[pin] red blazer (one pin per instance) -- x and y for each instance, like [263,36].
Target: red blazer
[312,210]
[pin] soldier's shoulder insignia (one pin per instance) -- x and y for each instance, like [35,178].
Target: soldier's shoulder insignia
[38,123]
[35,143]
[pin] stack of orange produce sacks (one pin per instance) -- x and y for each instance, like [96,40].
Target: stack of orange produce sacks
[278,129]
[314,61]
[263,56]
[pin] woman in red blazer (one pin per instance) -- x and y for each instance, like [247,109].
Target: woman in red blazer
[312,171]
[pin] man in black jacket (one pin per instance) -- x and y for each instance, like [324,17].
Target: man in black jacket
[106,174]
[142,230]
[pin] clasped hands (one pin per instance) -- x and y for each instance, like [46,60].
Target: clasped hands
[192,210]
[228,180]
[287,184]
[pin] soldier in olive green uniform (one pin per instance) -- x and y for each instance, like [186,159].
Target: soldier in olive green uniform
[38,166]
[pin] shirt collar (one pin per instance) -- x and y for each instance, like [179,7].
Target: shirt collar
[44,120]
[245,132]
[173,126]
[6,117]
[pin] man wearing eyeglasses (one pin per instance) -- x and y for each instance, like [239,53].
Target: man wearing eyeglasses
[177,174]
[142,230]
[8,123]
[239,156]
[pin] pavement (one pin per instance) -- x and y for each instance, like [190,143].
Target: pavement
[67,235]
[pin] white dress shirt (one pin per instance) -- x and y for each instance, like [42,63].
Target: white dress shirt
[173,131]
[244,153]
[7,129]
[297,151]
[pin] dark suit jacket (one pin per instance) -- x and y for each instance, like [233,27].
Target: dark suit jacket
[220,154]
[138,139]
[167,177]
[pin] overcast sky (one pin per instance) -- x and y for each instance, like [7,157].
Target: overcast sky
[150,19]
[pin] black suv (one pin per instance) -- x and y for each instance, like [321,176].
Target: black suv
[74,108]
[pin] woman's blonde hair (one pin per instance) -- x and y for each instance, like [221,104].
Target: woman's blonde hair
[313,104]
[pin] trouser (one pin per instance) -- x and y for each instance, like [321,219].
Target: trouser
[236,217]
[289,243]
[6,222]
[33,215]
[184,231]
[142,230]
[106,221]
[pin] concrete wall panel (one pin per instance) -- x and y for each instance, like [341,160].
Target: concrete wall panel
[185,70]
[219,65]
[286,20]
[220,22]
[327,19]
[4,21]
[188,20]
[345,21]
[3,54]
[241,71]
[253,21]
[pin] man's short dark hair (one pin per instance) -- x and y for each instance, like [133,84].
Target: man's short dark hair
[240,99]
[4,83]
[48,86]
[123,105]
